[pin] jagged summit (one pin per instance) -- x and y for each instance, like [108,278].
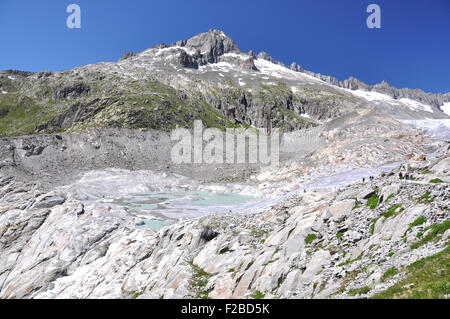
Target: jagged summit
[214,41]
[209,46]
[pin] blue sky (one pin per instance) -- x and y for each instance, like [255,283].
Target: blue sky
[412,48]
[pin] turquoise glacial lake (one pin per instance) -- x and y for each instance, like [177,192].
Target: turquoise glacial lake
[159,209]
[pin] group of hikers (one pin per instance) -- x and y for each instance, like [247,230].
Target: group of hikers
[371,178]
[407,176]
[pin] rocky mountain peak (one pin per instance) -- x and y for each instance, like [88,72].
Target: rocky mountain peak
[211,44]
[263,55]
[386,88]
[353,83]
[295,67]
[385,85]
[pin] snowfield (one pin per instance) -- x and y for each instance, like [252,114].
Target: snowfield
[279,71]
[235,55]
[379,98]
[446,108]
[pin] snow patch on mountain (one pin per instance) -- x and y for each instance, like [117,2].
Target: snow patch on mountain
[370,96]
[235,55]
[416,105]
[377,97]
[446,108]
[278,71]
[219,66]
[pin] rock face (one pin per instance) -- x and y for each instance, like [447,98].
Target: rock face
[70,92]
[208,47]
[211,45]
[77,113]
[320,244]
[339,210]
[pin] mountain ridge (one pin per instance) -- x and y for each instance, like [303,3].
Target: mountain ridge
[353,83]
[206,77]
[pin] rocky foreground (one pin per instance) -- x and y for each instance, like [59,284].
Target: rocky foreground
[358,241]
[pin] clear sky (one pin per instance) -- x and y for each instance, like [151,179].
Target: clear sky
[412,48]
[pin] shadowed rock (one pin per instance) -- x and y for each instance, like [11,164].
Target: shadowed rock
[208,234]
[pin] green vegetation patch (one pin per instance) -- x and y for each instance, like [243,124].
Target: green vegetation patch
[436,180]
[258,295]
[359,291]
[372,226]
[199,281]
[310,238]
[391,210]
[390,272]
[428,278]
[425,198]
[436,229]
[21,115]
[419,221]
[372,202]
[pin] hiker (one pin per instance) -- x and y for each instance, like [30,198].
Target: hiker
[363,180]
[400,175]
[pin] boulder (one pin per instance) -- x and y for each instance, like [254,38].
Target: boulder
[388,190]
[49,201]
[208,234]
[340,209]
[365,194]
